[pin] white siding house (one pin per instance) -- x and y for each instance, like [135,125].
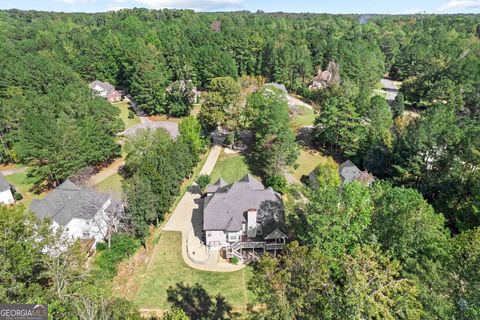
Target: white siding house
[81,212]
[6,196]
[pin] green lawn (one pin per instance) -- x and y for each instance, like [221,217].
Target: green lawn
[305,119]
[23,184]
[307,161]
[167,268]
[112,184]
[230,167]
[380,93]
[124,110]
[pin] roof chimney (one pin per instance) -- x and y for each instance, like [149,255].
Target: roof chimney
[251,222]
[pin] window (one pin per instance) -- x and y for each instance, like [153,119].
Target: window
[209,234]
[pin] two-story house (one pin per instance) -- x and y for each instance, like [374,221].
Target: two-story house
[243,215]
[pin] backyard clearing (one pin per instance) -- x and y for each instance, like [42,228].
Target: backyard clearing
[230,167]
[302,116]
[110,185]
[124,107]
[166,268]
[22,184]
[307,161]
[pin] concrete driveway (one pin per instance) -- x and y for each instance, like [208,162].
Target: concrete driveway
[391,89]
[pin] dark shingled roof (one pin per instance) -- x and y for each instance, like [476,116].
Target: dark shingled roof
[212,188]
[67,202]
[226,208]
[4,185]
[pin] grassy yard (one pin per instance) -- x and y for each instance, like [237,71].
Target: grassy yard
[112,184]
[23,184]
[166,268]
[124,110]
[230,167]
[305,119]
[307,161]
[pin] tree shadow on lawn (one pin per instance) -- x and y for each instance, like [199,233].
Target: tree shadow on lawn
[197,303]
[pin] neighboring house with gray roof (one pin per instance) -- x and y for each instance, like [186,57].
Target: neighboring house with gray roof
[78,210]
[349,172]
[105,90]
[6,196]
[243,215]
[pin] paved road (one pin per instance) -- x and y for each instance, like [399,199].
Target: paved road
[187,218]
[390,88]
[171,127]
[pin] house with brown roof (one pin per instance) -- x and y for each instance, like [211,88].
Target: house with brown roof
[105,90]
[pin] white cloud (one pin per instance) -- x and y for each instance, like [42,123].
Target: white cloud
[76,1]
[116,8]
[413,11]
[200,5]
[459,5]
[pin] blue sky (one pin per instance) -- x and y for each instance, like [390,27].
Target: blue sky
[329,6]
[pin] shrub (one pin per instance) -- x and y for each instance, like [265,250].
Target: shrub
[203,181]
[277,182]
[107,260]
[235,260]
[17,196]
[130,114]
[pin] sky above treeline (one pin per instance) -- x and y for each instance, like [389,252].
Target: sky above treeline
[317,6]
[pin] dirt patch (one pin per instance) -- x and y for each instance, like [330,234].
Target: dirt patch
[164,118]
[106,172]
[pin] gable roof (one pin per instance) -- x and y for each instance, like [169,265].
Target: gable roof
[67,202]
[212,188]
[226,208]
[101,86]
[275,234]
[4,185]
[349,172]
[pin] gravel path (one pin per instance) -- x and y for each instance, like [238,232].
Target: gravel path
[8,172]
[292,101]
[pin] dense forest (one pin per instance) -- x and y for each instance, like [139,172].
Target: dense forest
[406,247]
